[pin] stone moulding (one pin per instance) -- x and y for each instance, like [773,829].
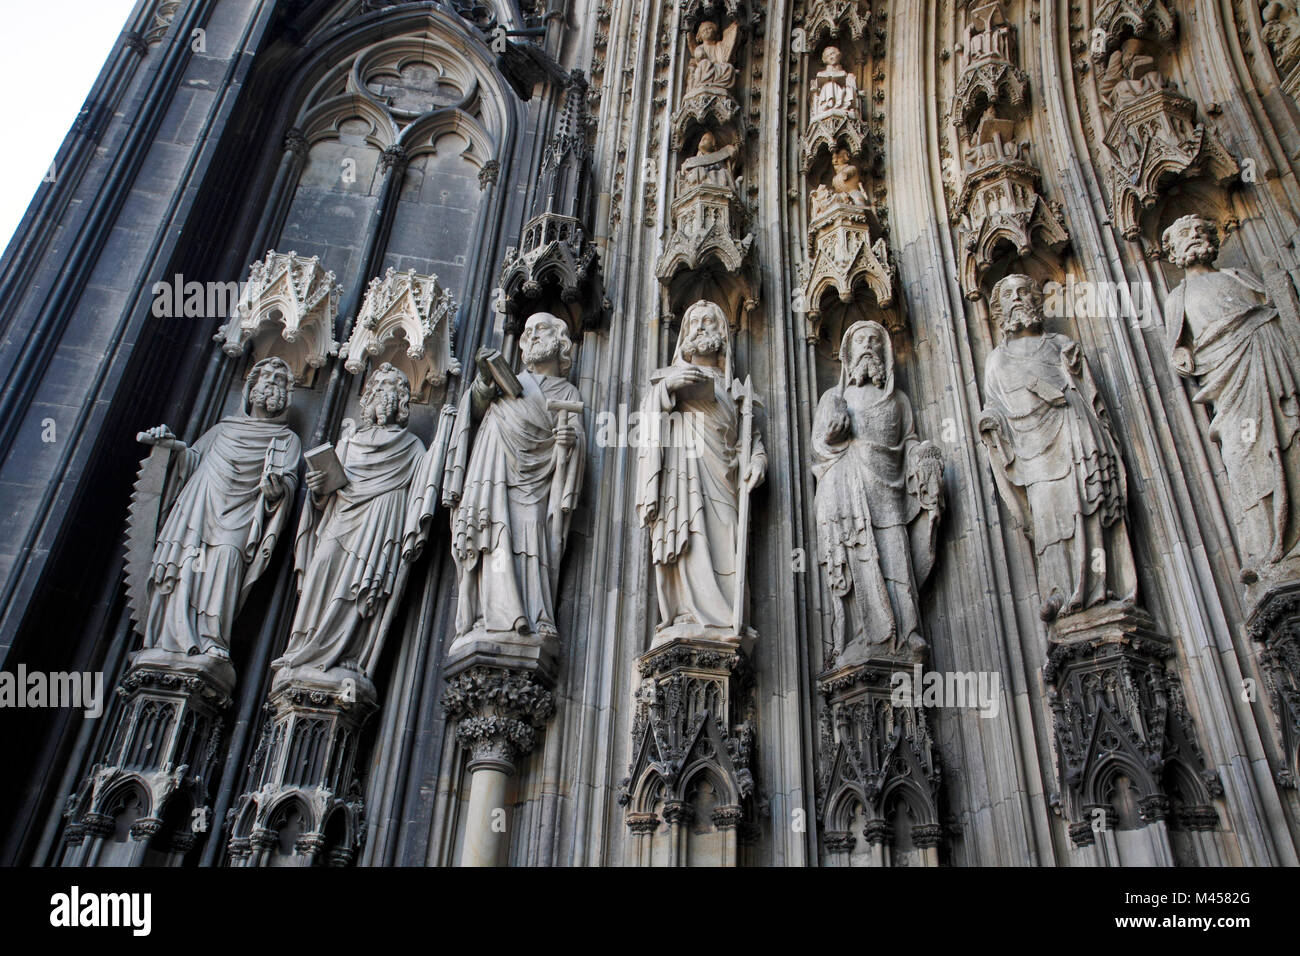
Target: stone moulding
[1154,138]
[708,108]
[287,308]
[406,319]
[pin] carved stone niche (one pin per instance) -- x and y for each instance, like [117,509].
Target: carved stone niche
[1123,730]
[303,806]
[876,757]
[1153,137]
[707,98]
[287,309]
[703,228]
[406,319]
[846,258]
[1274,622]
[687,792]
[1119,19]
[831,19]
[555,251]
[989,79]
[999,204]
[158,763]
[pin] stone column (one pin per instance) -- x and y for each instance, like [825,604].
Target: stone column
[498,709]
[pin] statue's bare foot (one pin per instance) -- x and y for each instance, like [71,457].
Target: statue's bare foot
[1051,607]
[1249,575]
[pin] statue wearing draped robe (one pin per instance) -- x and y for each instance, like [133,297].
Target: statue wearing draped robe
[1225,331]
[234,490]
[878,504]
[352,541]
[710,70]
[691,478]
[514,474]
[1055,459]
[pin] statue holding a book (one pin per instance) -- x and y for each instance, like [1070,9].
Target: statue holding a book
[513,476]
[372,499]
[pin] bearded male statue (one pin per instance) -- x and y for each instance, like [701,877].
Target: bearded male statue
[1055,459]
[878,504]
[1224,331]
[692,475]
[226,501]
[354,539]
[514,474]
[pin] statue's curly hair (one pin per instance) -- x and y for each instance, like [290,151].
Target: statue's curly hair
[387,374]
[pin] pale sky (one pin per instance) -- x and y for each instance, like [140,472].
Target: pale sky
[53,54]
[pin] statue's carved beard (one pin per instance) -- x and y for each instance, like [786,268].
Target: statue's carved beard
[536,351]
[1197,249]
[1021,317]
[869,366]
[703,341]
[270,396]
[384,406]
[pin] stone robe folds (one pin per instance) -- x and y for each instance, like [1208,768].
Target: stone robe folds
[348,555]
[511,509]
[1062,464]
[1247,372]
[863,512]
[218,536]
[689,470]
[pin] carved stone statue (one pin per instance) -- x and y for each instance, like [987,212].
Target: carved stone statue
[1282,33]
[353,540]
[1224,330]
[236,487]
[694,480]
[710,68]
[835,91]
[879,501]
[711,164]
[845,189]
[514,473]
[1055,458]
[1130,72]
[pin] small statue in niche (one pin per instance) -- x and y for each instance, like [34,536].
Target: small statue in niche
[1224,330]
[711,164]
[233,491]
[845,189]
[711,69]
[1282,33]
[1055,459]
[879,501]
[362,524]
[836,90]
[1130,72]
